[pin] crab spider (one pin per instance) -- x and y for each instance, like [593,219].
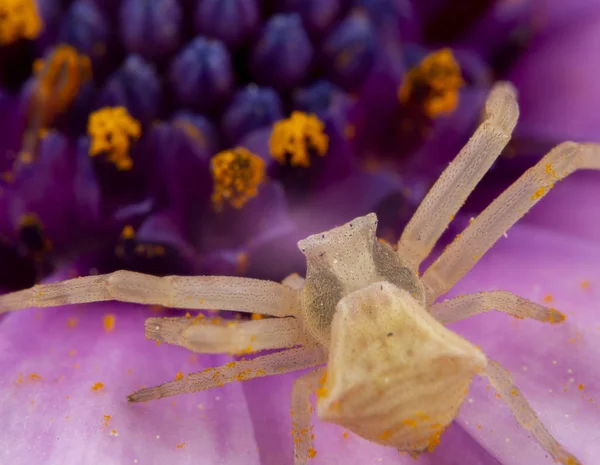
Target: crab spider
[386,367]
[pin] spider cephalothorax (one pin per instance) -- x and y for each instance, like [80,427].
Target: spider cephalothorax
[387,368]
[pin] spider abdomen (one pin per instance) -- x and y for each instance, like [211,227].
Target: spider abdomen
[395,375]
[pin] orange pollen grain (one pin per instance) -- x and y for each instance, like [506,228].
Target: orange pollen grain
[548,298]
[322,390]
[97,386]
[434,441]
[128,232]
[538,194]
[109,322]
[585,284]
[312,453]
[72,322]
[581,387]
[554,316]
[179,376]
[181,446]
[385,435]
[242,263]
[34,377]
[106,419]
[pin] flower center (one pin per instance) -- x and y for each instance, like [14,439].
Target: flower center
[434,82]
[112,129]
[237,174]
[19,19]
[296,138]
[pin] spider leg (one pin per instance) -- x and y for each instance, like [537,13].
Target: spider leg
[301,410]
[466,306]
[267,365]
[501,380]
[506,210]
[211,336]
[452,188]
[194,292]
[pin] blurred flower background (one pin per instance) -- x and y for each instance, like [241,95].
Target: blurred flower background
[209,136]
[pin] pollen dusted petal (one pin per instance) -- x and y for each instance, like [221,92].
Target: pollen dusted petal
[297,138]
[122,361]
[547,362]
[237,174]
[112,131]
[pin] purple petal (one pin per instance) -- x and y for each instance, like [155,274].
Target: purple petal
[548,362]
[355,196]
[557,81]
[571,208]
[64,207]
[12,124]
[61,419]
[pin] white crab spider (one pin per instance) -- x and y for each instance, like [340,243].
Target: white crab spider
[388,368]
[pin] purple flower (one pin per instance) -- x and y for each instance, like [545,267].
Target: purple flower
[216,153]
[357,66]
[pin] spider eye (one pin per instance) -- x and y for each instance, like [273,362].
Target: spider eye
[341,237]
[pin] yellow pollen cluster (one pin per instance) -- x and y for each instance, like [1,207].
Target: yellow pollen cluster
[296,138]
[19,19]
[438,76]
[112,129]
[236,174]
[322,390]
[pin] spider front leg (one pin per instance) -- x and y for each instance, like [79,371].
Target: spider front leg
[301,410]
[450,191]
[501,380]
[212,336]
[460,308]
[192,292]
[267,365]
[506,210]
